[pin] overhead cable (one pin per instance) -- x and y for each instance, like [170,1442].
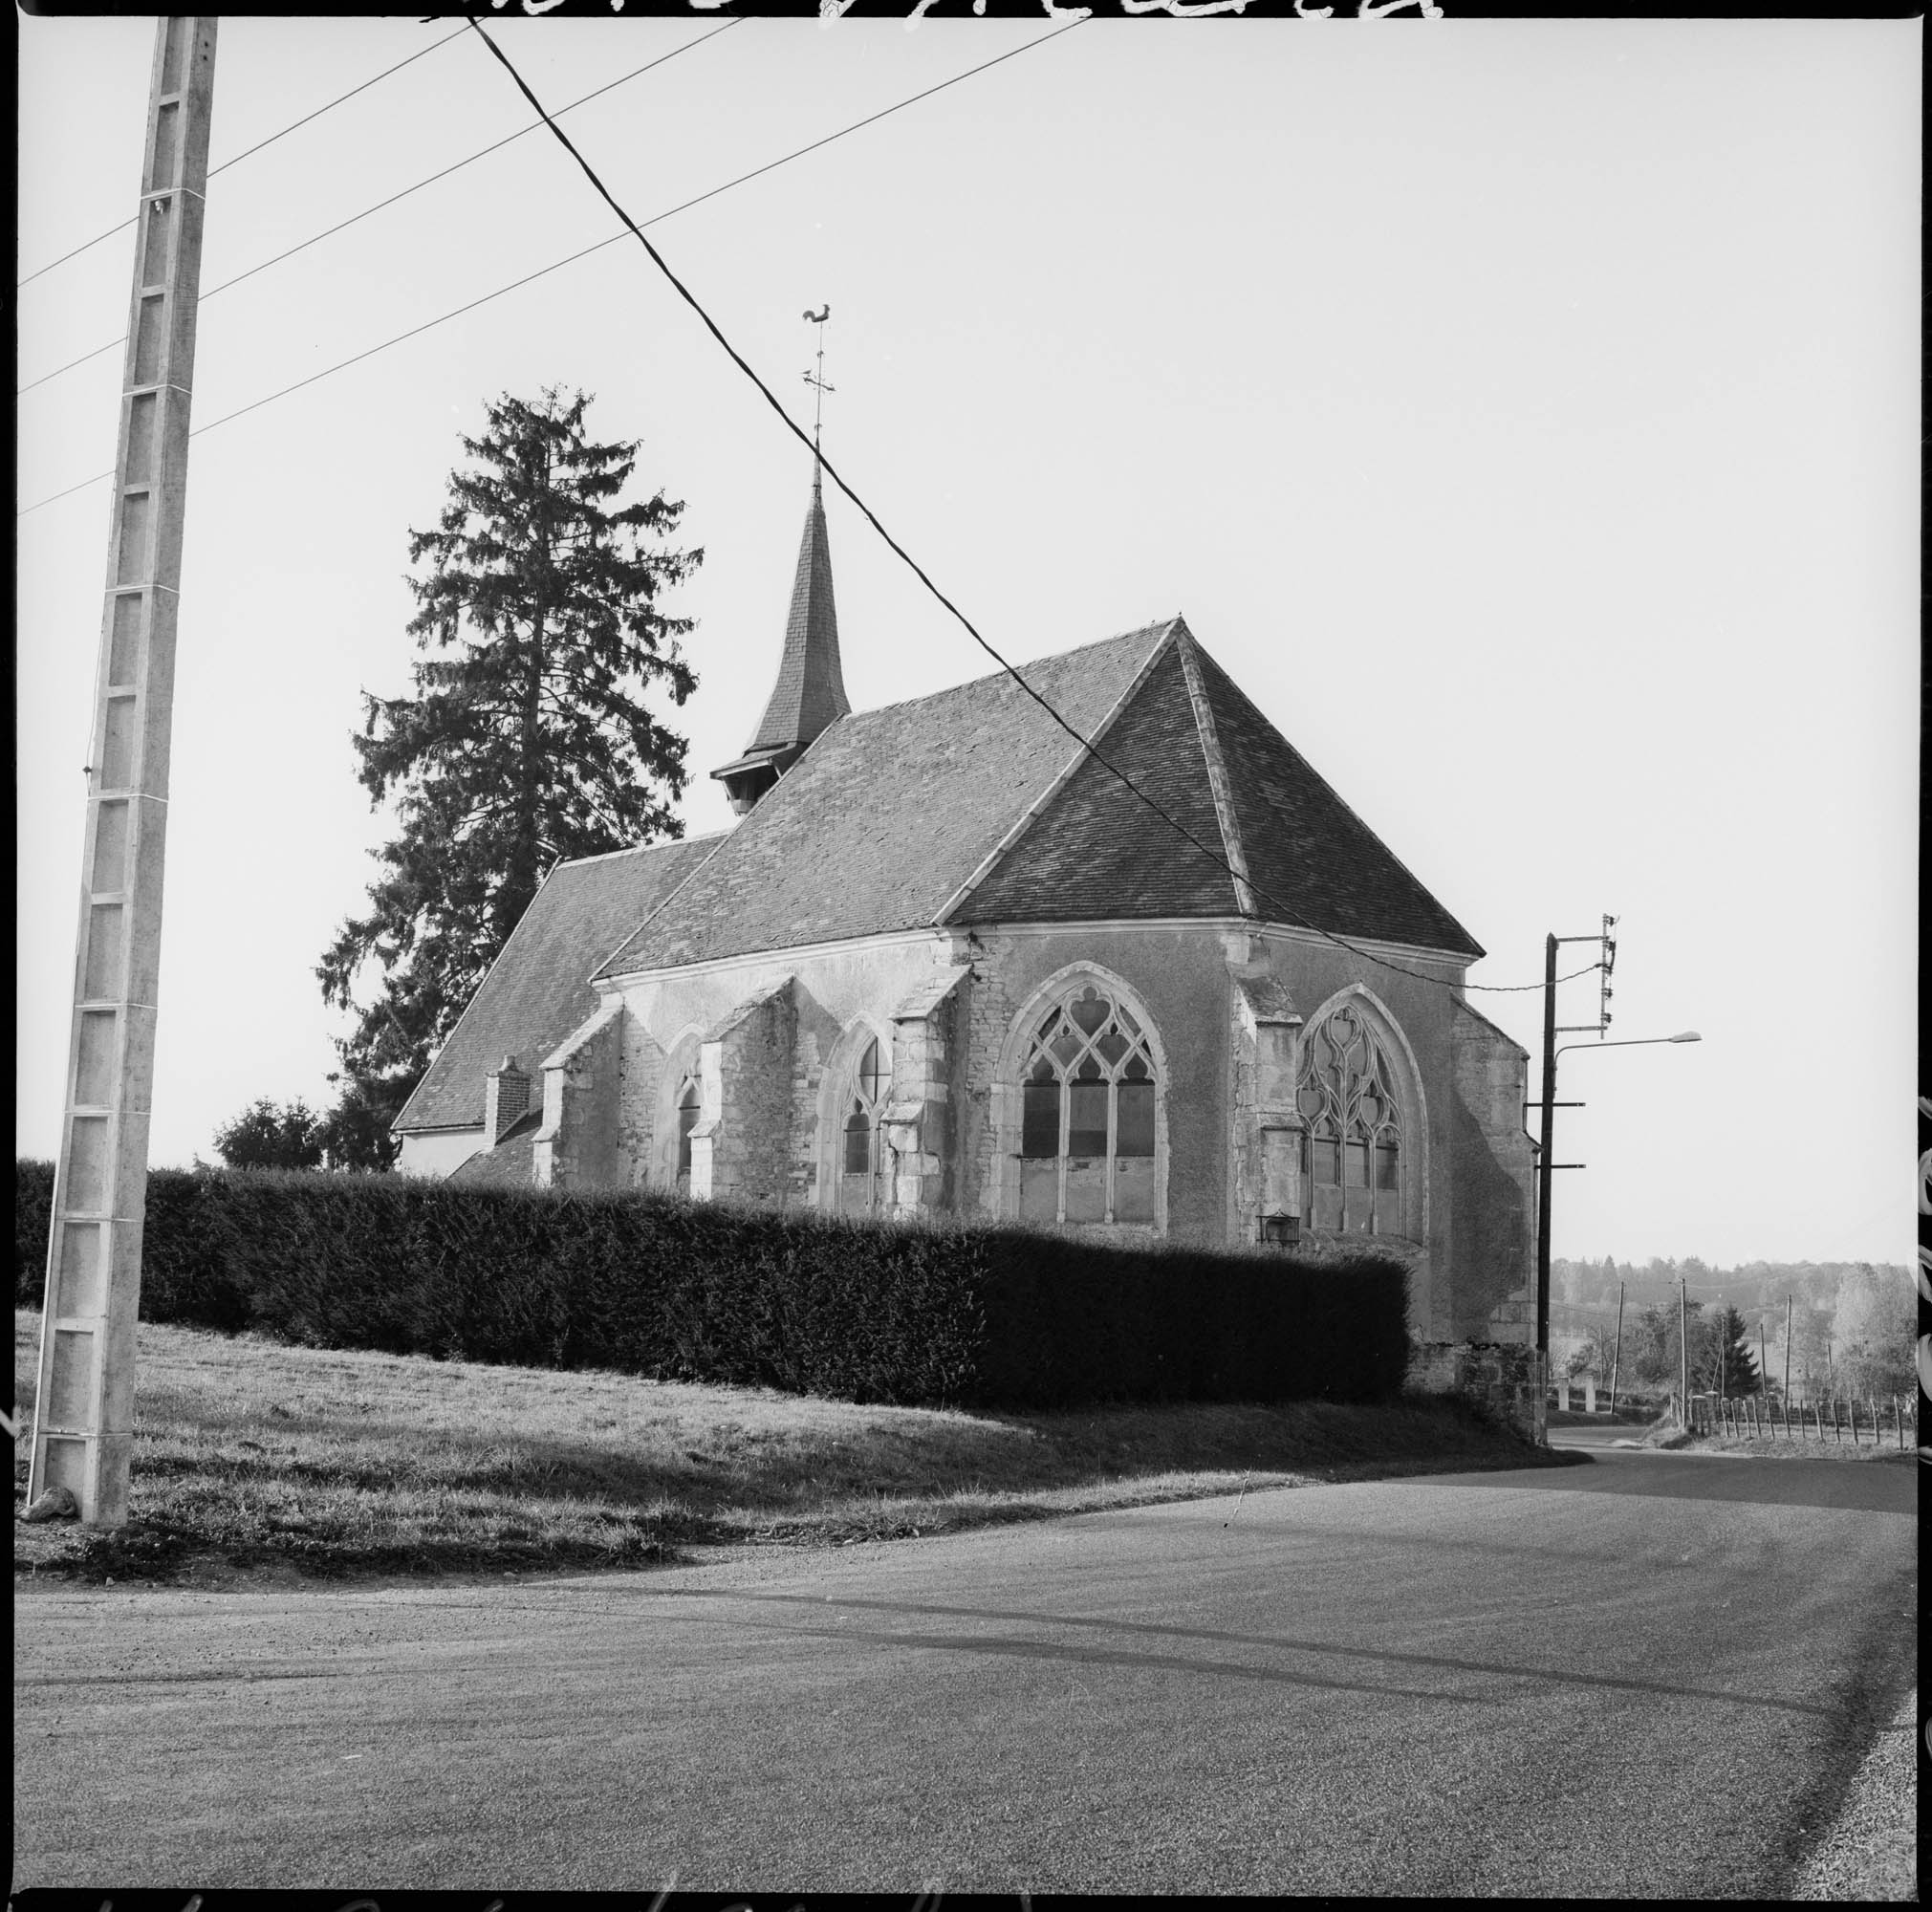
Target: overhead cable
[554,265]
[98,237]
[918,571]
[353,218]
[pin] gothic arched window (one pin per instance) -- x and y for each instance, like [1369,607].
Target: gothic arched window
[861,1145]
[690,1101]
[1352,1150]
[1087,1099]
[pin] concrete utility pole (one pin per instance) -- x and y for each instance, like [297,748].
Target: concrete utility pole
[83,1426]
[1787,1353]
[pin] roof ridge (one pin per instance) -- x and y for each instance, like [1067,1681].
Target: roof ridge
[638,848]
[1189,647]
[1035,809]
[637,929]
[1008,670]
[1360,822]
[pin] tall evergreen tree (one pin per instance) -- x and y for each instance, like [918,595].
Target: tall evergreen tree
[526,737]
[1723,1359]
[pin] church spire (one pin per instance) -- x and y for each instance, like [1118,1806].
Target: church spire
[810,693]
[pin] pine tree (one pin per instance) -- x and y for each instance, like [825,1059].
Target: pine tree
[526,737]
[1722,1362]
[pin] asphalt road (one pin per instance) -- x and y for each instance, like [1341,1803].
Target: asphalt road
[1646,1675]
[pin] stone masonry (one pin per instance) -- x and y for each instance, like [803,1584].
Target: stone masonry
[1493,1161]
[576,1146]
[1265,1134]
[1501,1379]
[742,1148]
[919,1115]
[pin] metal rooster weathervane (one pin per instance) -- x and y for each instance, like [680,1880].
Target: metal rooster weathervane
[817,381]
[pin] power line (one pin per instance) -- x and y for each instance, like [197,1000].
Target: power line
[797,431]
[343,224]
[558,264]
[98,237]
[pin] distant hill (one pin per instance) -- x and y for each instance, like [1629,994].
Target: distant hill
[1584,1289]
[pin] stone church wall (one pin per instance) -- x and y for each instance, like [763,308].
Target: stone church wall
[1226,1004]
[832,990]
[741,1150]
[1491,1160]
[576,1146]
[1177,973]
[1275,967]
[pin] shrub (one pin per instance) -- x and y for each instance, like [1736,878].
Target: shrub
[647,1283]
[32,1217]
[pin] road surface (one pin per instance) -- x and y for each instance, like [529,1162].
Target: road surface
[1646,1675]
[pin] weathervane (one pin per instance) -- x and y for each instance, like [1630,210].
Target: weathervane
[817,380]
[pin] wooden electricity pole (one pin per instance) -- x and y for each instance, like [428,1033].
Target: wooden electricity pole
[1617,1348]
[1682,1353]
[83,1423]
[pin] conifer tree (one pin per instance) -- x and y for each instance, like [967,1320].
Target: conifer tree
[526,737]
[1724,1361]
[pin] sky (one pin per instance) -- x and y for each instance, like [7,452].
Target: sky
[1523,413]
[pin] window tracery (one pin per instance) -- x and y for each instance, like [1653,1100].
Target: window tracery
[1088,1090]
[1352,1157]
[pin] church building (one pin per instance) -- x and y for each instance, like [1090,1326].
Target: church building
[947,961]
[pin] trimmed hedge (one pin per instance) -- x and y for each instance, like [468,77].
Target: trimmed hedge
[945,1312]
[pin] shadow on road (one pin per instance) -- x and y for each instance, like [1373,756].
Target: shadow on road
[1510,1672]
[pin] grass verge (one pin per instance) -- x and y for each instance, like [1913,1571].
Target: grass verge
[256,1459]
[1668,1434]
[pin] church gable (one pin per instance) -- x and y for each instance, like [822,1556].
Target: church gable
[1310,858]
[1095,850]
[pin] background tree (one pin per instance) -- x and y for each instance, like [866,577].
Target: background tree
[1652,1343]
[1598,1352]
[1721,1358]
[354,1133]
[526,737]
[1875,1330]
[265,1135]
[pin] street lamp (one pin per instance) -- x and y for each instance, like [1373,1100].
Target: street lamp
[1544,1163]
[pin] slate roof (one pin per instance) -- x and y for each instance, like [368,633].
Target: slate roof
[1305,848]
[974,806]
[1097,851]
[511,1165]
[889,814]
[811,688]
[539,987]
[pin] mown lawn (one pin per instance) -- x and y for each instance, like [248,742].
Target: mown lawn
[251,1455]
